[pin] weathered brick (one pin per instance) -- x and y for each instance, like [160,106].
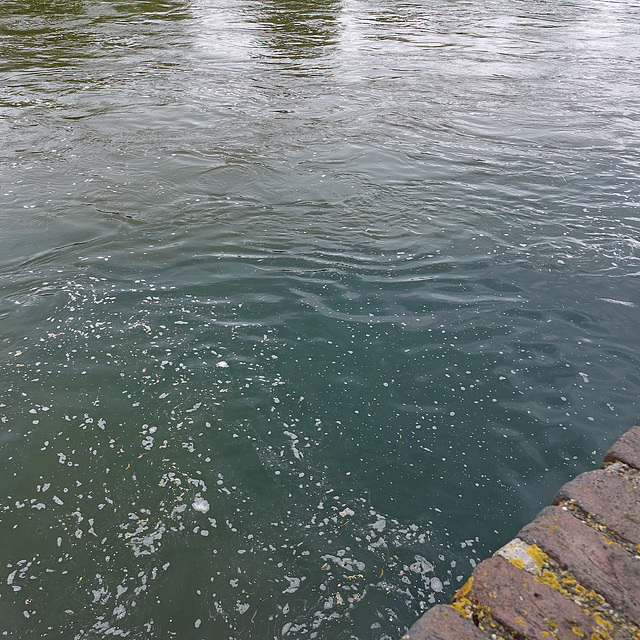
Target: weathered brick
[522,603]
[443,622]
[595,562]
[626,449]
[609,499]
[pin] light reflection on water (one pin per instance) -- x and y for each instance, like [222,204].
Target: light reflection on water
[305,308]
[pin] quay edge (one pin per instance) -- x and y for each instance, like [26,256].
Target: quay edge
[573,573]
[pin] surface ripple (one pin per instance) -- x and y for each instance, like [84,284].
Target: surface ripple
[305,308]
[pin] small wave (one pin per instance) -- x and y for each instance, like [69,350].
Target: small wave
[624,303]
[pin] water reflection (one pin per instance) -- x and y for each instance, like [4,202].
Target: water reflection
[41,35]
[297,30]
[305,347]
[37,7]
[150,9]
[145,9]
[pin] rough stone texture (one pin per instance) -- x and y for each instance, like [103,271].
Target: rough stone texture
[626,449]
[595,562]
[611,501]
[519,601]
[443,622]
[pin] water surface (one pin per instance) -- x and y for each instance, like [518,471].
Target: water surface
[305,307]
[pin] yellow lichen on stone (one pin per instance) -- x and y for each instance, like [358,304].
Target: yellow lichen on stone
[538,555]
[551,579]
[462,610]
[577,632]
[517,562]
[461,602]
[592,595]
[519,621]
[602,622]
[464,589]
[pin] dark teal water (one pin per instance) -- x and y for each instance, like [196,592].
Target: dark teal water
[305,308]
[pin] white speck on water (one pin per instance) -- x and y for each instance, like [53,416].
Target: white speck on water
[379,525]
[294,585]
[223,364]
[200,504]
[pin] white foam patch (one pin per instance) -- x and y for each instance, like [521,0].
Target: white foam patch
[201,505]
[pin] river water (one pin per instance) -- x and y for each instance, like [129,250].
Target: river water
[306,307]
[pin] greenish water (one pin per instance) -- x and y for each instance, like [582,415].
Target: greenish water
[305,308]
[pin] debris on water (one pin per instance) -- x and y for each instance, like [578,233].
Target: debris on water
[380,524]
[347,512]
[294,585]
[223,364]
[421,565]
[436,585]
[200,504]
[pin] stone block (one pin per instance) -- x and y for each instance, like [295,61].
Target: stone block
[532,609]
[593,560]
[443,622]
[626,449]
[609,499]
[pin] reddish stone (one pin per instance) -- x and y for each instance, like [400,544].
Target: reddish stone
[443,622]
[626,449]
[610,500]
[530,608]
[595,562]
